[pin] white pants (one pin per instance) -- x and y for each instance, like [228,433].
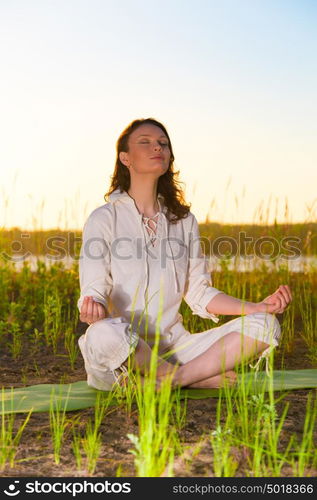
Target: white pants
[107,343]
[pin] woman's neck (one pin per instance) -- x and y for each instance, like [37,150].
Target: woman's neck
[145,200]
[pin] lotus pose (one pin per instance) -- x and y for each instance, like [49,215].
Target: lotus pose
[140,256]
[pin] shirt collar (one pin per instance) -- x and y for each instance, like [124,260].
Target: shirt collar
[126,198]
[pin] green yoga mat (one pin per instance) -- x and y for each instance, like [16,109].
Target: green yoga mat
[79,395]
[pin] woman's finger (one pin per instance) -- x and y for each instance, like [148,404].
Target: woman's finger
[283,290]
[288,290]
[83,309]
[286,298]
[101,314]
[91,311]
[272,309]
[289,293]
[283,300]
[276,298]
[90,306]
[95,311]
[279,301]
[89,314]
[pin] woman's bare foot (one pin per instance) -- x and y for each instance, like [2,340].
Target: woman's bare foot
[229,378]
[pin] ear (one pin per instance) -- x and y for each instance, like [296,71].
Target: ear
[124,158]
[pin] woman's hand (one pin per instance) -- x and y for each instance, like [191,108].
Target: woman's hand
[91,311]
[277,302]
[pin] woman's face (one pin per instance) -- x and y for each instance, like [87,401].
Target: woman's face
[148,150]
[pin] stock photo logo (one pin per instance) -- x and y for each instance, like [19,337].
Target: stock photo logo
[13,491]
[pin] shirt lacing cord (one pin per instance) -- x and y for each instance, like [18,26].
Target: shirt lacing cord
[146,220]
[265,355]
[121,375]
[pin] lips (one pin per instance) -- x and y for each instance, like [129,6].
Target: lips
[156,158]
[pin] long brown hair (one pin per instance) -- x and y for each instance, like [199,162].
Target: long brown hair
[168,184]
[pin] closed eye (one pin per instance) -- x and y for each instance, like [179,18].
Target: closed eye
[161,143]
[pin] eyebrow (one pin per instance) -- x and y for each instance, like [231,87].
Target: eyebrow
[148,135]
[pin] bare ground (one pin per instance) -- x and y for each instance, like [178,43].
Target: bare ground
[35,453]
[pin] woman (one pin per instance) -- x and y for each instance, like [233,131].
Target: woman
[143,246]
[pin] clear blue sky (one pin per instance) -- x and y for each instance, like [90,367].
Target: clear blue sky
[234,82]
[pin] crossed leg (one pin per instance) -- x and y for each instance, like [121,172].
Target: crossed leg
[218,361]
[208,370]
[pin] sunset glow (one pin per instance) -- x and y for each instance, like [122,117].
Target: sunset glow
[233,82]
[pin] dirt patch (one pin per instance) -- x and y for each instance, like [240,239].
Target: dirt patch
[35,453]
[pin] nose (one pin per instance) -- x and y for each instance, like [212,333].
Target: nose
[157,146]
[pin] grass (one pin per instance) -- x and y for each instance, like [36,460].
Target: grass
[9,437]
[58,423]
[39,313]
[155,444]
[306,453]
[92,440]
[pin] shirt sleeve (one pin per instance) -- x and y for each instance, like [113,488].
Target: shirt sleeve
[198,288]
[95,261]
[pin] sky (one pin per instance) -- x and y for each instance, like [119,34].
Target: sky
[233,81]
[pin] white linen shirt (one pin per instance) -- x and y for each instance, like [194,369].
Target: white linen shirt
[120,268]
